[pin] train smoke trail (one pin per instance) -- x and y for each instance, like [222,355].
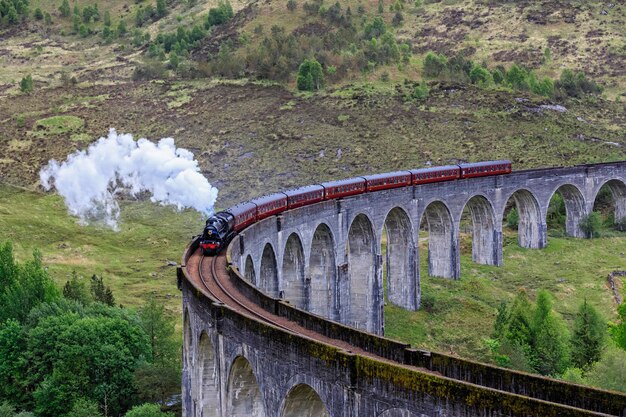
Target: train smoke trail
[90,180]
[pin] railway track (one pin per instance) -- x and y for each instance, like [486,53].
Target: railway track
[219,291]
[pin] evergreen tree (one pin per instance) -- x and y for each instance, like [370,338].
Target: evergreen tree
[588,338]
[75,289]
[549,338]
[107,19]
[310,75]
[502,321]
[64,8]
[161,8]
[100,292]
[38,14]
[519,329]
[121,28]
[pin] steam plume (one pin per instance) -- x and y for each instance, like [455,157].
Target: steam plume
[90,180]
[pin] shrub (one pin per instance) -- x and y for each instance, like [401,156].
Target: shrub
[498,76]
[420,92]
[310,75]
[434,64]
[292,5]
[517,77]
[512,219]
[64,8]
[26,84]
[590,224]
[149,70]
[480,75]
[121,28]
[38,14]
[397,19]
[220,14]
[576,85]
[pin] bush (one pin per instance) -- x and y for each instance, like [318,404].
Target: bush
[434,64]
[420,92]
[149,70]
[220,14]
[310,75]
[576,85]
[147,410]
[512,219]
[480,75]
[38,14]
[26,84]
[292,5]
[64,9]
[590,224]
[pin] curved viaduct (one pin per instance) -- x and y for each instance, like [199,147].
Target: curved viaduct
[283,324]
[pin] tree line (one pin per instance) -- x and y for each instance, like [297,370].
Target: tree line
[65,351]
[532,337]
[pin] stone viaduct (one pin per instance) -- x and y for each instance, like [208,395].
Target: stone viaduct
[325,261]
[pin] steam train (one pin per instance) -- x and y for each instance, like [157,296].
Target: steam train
[224,225]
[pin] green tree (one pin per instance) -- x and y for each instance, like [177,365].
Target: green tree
[7,409]
[174,60]
[220,14]
[161,332]
[502,321]
[26,84]
[48,19]
[38,14]
[590,224]
[93,357]
[519,329]
[156,383]
[28,286]
[159,378]
[549,338]
[374,29]
[76,23]
[121,28]
[434,64]
[84,408]
[609,371]
[517,77]
[100,292]
[588,337]
[64,8]
[480,75]
[310,75]
[13,362]
[83,31]
[161,8]
[107,18]
[76,289]
[618,330]
[147,410]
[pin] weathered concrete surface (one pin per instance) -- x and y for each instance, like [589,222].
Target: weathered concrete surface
[327,257]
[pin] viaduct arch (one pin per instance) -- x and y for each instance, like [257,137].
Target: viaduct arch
[324,262]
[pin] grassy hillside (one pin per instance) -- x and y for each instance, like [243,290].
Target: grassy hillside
[134,262]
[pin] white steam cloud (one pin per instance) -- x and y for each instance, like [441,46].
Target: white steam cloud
[90,180]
